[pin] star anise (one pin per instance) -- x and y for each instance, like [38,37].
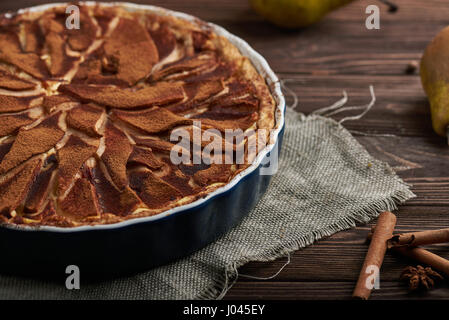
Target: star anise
[420,277]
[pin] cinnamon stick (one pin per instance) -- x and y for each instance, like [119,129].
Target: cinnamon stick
[414,239]
[426,257]
[421,255]
[375,256]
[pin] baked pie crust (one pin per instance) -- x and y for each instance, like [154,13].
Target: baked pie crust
[86,114]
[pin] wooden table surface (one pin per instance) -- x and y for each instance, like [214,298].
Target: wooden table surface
[339,54]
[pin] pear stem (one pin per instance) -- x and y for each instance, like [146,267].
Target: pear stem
[391,6]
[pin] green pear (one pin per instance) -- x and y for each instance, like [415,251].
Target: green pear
[434,72]
[295,13]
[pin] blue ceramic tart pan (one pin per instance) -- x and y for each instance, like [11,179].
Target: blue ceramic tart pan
[140,244]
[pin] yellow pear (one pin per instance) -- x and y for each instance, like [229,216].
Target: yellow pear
[295,13]
[434,72]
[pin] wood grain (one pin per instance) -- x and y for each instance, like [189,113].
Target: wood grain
[319,62]
[326,290]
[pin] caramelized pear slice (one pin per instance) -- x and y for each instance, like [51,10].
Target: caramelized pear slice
[153,191]
[145,157]
[135,53]
[121,203]
[116,153]
[81,201]
[47,133]
[153,121]
[84,118]
[11,82]
[37,196]
[14,187]
[71,157]
[16,104]
[215,173]
[9,124]
[164,39]
[159,94]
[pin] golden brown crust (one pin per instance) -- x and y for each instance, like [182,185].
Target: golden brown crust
[85,132]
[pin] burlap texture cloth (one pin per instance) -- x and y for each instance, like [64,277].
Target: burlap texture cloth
[327,182]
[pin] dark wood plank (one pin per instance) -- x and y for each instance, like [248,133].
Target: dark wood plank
[401,106]
[329,290]
[341,44]
[416,159]
[420,161]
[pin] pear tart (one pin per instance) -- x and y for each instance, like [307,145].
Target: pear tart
[86,114]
